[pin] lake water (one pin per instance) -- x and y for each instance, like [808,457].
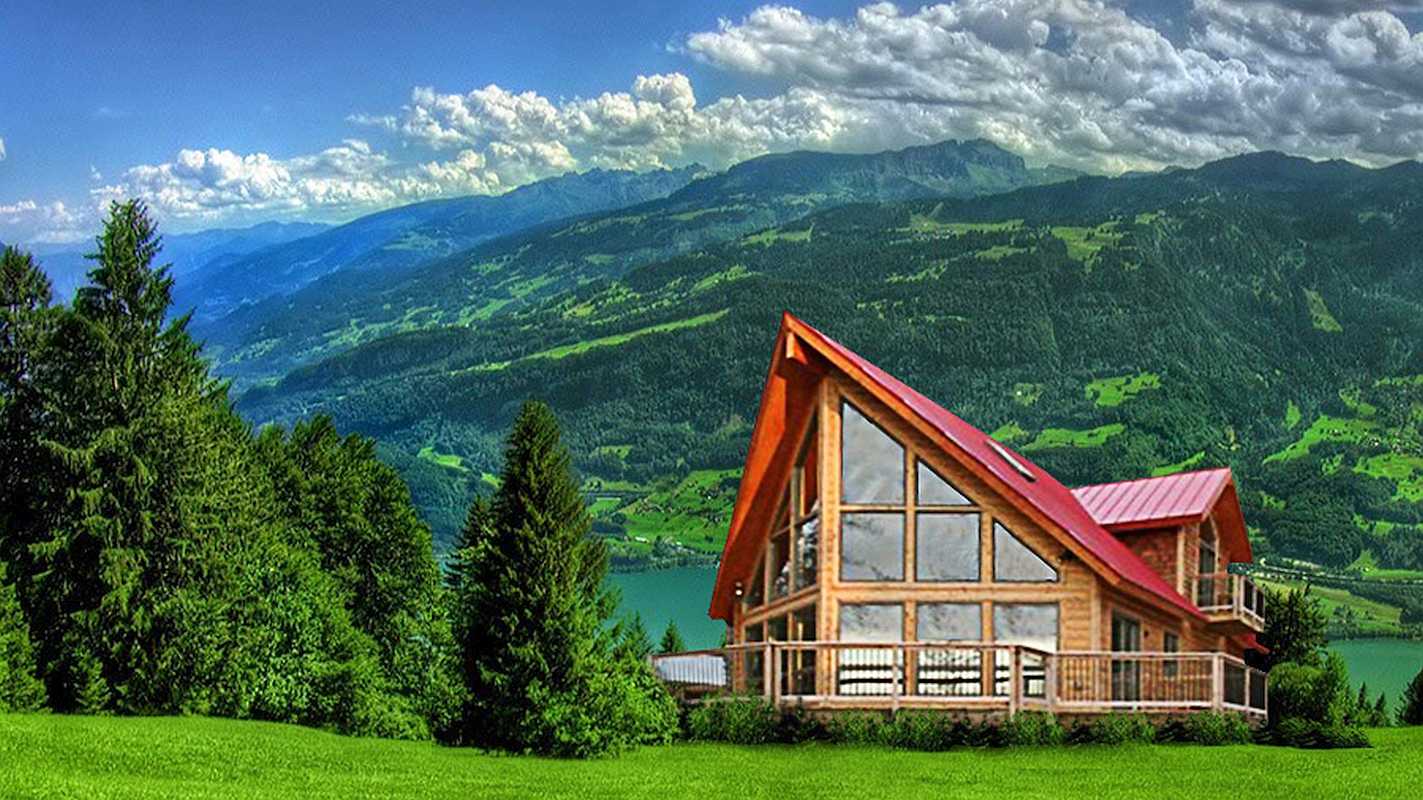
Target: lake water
[681,593]
[1385,664]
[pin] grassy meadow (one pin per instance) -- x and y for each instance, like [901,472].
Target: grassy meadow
[90,757]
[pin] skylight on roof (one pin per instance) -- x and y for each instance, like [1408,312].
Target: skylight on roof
[1003,453]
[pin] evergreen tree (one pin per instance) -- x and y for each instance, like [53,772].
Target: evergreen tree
[26,322]
[20,690]
[672,639]
[1294,628]
[1410,712]
[544,672]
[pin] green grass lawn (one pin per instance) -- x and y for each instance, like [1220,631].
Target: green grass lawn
[56,756]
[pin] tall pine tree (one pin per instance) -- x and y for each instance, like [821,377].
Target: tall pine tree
[542,665]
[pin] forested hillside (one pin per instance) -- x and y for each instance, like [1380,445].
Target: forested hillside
[1260,312]
[523,270]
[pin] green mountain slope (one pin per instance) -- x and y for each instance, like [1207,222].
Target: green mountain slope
[395,239]
[1109,328]
[522,270]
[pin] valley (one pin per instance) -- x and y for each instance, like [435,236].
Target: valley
[1261,313]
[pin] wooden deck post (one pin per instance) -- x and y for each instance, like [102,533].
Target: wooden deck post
[1217,682]
[1050,681]
[769,671]
[1015,691]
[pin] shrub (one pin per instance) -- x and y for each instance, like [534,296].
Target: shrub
[1299,732]
[1315,692]
[1210,728]
[921,730]
[1117,729]
[857,728]
[1032,728]
[737,720]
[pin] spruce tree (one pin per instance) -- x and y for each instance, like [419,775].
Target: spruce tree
[20,690]
[544,671]
[672,639]
[1410,711]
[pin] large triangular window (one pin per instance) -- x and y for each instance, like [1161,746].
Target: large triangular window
[871,462]
[1014,561]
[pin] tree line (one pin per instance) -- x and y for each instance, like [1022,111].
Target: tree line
[159,556]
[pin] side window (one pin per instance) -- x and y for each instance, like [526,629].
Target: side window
[1013,561]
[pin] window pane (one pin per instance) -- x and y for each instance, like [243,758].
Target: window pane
[1013,561]
[1031,624]
[777,630]
[810,475]
[872,464]
[808,553]
[757,594]
[800,664]
[869,672]
[780,564]
[934,490]
[872,547]
[946,547]
[949,672]
[872,622]
[949,622]
[754,660]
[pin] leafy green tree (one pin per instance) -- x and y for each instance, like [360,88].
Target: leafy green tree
[543,670]
[1294,627]
[1410,712]
[672,639]
[20,690]
[356,513]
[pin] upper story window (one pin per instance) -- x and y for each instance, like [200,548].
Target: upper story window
[933,490]
[791,560]
[1015,562]
[871,463]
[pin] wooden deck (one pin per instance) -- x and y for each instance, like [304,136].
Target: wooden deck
[967,677]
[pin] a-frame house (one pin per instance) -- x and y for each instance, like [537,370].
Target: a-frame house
[885,553]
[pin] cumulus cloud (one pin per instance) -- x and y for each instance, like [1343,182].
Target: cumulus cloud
[204,185]
[1077,82]
[1084,83]
[525,136]
[50,222]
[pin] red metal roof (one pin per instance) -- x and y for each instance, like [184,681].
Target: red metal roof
[1186,496]
[1035,486]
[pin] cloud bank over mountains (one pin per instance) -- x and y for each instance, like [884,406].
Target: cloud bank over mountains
[1080,83]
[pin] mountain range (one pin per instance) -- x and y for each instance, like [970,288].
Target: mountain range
[1260,312]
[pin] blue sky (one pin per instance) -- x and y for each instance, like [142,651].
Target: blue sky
[290,110]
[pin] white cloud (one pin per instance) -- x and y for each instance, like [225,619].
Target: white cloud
[2,148]
[49,222]
[1076,82]
[213,184]
[1083,83]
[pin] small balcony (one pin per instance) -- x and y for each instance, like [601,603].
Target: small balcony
[1231,602]
[967,677]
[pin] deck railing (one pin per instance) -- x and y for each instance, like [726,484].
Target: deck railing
[967,676]
[1226,594]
